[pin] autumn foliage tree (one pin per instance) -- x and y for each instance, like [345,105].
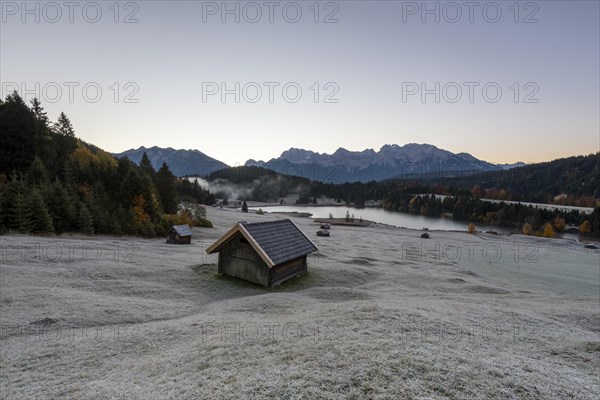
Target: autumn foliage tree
[585,227]
[559,223]
[548,230]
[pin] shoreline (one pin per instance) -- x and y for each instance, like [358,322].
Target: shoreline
[297,214]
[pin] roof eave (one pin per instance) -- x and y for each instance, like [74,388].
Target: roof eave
[222,240]
[216,246]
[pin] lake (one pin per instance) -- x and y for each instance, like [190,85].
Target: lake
[380,215]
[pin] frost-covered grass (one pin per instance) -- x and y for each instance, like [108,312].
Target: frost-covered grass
[381,314]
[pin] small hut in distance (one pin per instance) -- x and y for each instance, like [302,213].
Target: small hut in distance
[179,234]
[267,253]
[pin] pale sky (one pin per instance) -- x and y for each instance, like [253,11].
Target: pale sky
[375,61]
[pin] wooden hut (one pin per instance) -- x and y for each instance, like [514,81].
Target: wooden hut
[571,229]
[179,234]
[267,253]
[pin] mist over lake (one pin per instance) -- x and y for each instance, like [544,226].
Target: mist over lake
[378,215]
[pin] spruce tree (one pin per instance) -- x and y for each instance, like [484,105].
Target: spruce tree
[2,207]
[61,206]
[126,221]
[167,190]
[69,173]
[101,217]
[244,206]
[146,166]
[115,227]
[18,206]
[86,223]
[40,217]
[63,126]
[38,111]
[37,175]
[18,132]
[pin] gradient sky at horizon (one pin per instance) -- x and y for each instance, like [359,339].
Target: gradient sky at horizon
[371,54]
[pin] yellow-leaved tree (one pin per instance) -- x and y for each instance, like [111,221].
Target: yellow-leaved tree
[140,217]
[471,228]
[548,230]
[585,227]
[559,223]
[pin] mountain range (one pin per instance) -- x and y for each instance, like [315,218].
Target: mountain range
[391,161]
[180,162]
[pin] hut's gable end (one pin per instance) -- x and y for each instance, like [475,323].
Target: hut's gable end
[239,247]
[237,258]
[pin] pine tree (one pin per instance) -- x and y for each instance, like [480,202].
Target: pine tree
[2,207]
[115,227]
[38,111]
[63,126]
[244,207]
[18,206]
[61,206]
[18,132]
[38,175]
[40,218]
[167,190]
[101,218]
[42,146]
[86,223]
[152,206]
[69,173]
[126,221]
[146,166]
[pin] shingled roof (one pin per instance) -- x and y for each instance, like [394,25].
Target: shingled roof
[182,230]
[275,241]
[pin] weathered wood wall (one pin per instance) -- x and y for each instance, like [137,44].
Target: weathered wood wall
[174,238]
[238,259]
[283,272]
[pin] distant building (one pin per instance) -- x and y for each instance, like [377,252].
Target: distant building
[267,253]
[179,234]
[372,203]
[571,229]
